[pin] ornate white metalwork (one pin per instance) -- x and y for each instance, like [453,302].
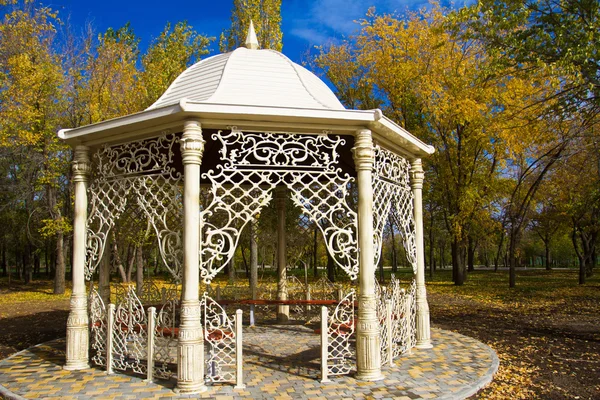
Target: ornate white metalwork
[165,349]
[254,163]
[150,293]
[403,318]
[219,333]
[98,327]
[129,335]
[340,329]
[392,197]
[323,289]
[412,315]
[136,178]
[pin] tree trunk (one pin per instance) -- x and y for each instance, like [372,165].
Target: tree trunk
[4,267]
[381,275]
[315,248]
[547,251]
[431,243]
[59,266]
[27,265]
[139,270]
[330,268]
[431,251]
[36,264]
[458,262]
[130,261]
[104,277]
[253,260]
[119,261]
[231,269]
[512,260]
[47,260]
[471,255]
[394,253]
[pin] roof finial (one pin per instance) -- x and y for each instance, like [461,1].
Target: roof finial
[251,40]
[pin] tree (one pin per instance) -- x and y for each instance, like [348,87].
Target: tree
[266,17]
[546,221]
[577,184]
[533,34]
[107,84]
[32,100]
[168,56]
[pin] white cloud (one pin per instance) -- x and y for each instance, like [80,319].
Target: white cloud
[310,35]
[325,20]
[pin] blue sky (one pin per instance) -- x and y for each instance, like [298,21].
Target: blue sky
[305,23]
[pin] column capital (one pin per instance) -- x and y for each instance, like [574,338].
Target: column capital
[81,164]
[363,150]
[417,175]
[192,143]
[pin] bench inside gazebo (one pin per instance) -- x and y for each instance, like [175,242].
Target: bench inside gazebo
[260,127]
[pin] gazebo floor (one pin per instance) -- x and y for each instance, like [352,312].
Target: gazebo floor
[280,361]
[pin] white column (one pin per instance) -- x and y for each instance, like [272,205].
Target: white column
[77,323]
[190,347]
[283,312]
[423,324]
[368,357]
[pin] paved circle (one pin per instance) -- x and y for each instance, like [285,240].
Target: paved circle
[280,362]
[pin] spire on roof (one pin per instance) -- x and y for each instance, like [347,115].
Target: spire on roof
[251,40]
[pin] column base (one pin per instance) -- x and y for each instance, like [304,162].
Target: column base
[424,345]
[369,376]
[191,390]
[283,314]
[76,366]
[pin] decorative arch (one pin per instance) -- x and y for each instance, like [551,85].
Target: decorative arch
[393,198]
[252,165]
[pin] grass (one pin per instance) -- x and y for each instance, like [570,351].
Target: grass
[36,291]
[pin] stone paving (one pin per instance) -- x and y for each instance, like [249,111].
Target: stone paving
[280,362]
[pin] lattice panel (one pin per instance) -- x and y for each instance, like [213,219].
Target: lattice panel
[403,318]
[130,335]
[150,293]
[253,164]
[393,198]
[323,289]
[341,327]
[98,328]
[136,182]
[412,314]
[165,339]
[219,333]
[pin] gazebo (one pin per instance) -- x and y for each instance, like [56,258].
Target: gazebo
[260,126]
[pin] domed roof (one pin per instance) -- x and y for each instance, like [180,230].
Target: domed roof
[250,77]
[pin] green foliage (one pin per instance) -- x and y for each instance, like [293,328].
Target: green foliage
[560,34]
[168,56]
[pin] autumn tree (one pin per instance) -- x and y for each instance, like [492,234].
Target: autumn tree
[534,34]
[31,104]
[435,87]
[266,17]
[175,49]
[577,188]
[443,86]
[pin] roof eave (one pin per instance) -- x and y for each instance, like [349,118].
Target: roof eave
[392,133]
[173,116]
[106,129]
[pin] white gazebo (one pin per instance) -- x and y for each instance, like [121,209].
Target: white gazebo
[260,126]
